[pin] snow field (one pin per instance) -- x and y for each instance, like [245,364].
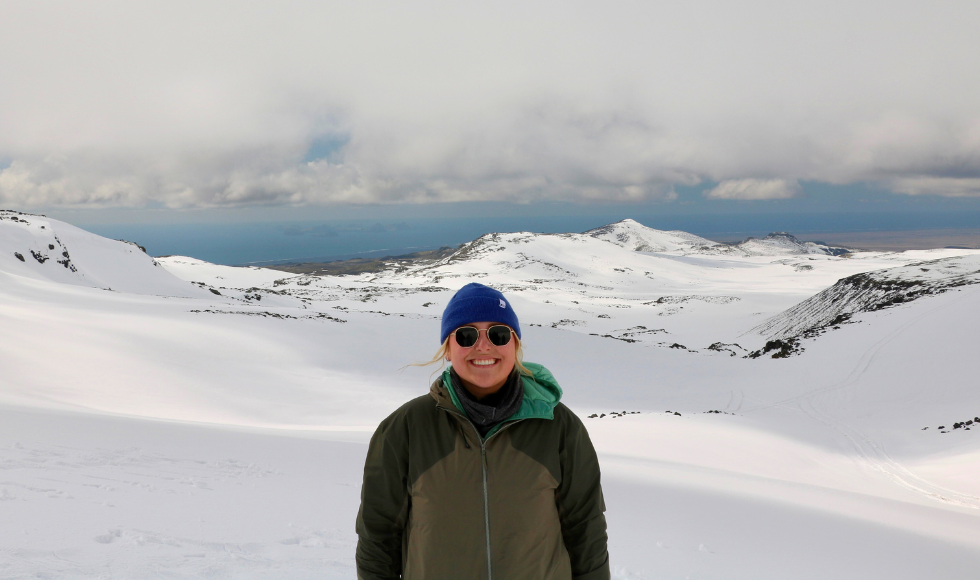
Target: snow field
[169,431]
[89,496]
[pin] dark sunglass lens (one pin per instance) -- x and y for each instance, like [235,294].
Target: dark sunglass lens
[467,336]
[499,335]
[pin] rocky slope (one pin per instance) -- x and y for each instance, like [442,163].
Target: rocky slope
[871,291]
[41,248]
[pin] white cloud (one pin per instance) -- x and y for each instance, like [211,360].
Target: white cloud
[210,103]
[754,189]
[946,186]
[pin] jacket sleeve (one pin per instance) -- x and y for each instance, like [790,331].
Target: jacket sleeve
[384,503]
[580,504]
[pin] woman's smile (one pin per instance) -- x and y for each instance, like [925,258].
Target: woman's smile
[484,362]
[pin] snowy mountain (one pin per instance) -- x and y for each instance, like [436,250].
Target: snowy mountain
[692,296]
[782,243]
[635,236]
[45,249]
[136,423]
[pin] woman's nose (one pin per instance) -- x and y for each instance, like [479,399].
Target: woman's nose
[483,340]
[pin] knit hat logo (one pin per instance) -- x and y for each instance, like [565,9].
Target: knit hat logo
[503,304]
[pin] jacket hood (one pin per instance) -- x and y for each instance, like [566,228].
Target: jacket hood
[541,393]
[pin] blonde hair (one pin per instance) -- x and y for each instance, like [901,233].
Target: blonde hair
[442,355]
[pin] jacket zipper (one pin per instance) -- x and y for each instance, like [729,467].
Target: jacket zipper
[486,490]
[486,506]
[483,465]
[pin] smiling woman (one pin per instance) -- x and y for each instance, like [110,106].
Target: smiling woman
[488,475]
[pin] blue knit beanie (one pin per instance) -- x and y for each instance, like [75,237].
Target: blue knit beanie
[477,303]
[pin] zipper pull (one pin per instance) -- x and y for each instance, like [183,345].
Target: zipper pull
[462,434]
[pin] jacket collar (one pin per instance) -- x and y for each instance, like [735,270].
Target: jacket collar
[541,394]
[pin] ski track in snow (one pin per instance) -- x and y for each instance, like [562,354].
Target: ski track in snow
[818,406]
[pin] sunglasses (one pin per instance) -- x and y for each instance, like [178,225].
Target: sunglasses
[498,335]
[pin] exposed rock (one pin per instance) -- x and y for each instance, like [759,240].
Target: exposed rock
[727,347]
[142,249]
[872,291]
[781,348]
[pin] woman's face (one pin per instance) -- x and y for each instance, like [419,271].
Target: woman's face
[483,367]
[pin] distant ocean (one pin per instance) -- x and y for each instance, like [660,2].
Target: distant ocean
[266,243]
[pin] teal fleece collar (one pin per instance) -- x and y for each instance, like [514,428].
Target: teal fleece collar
[541,394]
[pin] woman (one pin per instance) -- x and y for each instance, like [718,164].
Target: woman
[486,477]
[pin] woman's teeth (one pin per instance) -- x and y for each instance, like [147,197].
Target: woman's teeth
[483,363]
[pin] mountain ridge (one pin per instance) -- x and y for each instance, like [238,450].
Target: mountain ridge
[872,291]
[42,248]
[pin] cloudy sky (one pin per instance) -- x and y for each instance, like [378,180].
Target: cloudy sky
[221,104]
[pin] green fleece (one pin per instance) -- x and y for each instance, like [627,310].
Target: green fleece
[541,394]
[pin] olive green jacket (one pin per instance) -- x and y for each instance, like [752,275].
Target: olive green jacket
[441,503]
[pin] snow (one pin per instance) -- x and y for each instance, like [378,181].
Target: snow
[194,270]
[783,243]
[872,291]
[208,421]
[58,252]
[633,235]
[90,496]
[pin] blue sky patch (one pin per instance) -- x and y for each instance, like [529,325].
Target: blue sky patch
[327,147]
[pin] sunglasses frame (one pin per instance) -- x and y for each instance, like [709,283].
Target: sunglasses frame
[510,335]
